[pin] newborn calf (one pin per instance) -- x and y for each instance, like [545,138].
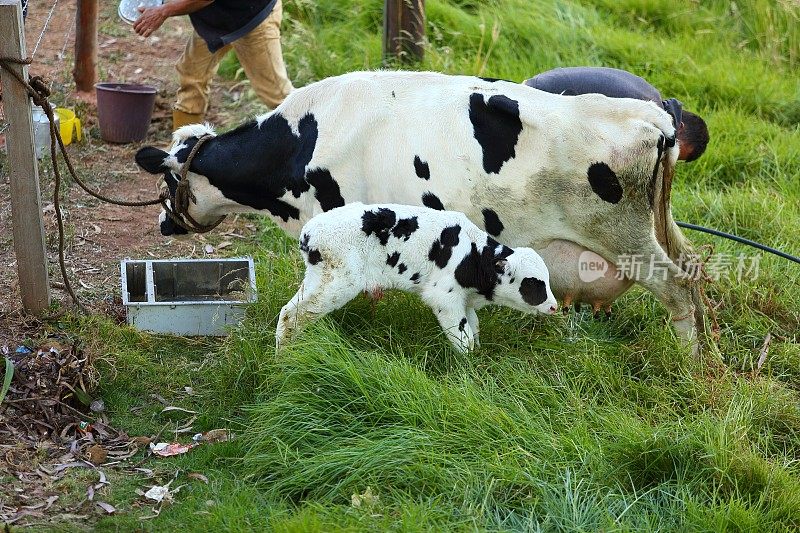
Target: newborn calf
[451,263]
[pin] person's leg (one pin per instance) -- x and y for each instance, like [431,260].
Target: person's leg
[261,57]
[196,68]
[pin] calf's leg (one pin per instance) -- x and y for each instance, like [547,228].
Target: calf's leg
[472,320]
[319,294]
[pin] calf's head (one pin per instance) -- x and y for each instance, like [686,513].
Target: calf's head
[524,282]
[168,163]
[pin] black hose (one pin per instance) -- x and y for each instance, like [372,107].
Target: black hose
[740,240]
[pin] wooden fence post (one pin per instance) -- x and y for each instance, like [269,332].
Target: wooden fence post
[85,71]
[26,207]
[404,29]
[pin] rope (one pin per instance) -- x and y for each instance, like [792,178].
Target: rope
[44,28]
[69,32]
[741,240]
[39,92]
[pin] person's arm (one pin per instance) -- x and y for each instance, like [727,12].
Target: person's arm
[153,17]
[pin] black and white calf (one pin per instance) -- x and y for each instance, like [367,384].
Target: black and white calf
[451,263]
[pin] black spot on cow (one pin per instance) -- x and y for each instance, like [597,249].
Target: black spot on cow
[392,259]
[442,248]
[462,324]
[496,126]
[378,223]
[604,183]
[477,269]
[431,200]
[405,227]
[401,268]
[314,255]
[492,222]
[491,80]
[450,290]
[326,190]
[259,181]
[393,96]
[415,277]
[533,291]
[421,168]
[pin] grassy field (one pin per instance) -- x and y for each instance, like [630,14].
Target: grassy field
[562,423]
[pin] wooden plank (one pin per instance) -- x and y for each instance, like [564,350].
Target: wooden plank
[404,29]
[85,71]
[26,207]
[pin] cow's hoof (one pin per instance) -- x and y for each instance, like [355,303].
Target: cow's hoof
[608,314]
[565,309]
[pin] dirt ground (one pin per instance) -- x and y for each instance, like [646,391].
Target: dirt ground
[99,234]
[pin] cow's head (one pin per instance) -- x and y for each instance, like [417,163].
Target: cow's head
[157,161]
[525,282]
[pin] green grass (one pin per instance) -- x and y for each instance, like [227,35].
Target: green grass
[559,424]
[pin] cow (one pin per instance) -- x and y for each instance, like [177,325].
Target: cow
[455,267]
[528,166]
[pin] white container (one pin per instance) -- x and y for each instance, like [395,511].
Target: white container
[41,130]
[187,296]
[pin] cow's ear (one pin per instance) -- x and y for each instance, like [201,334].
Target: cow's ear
[500,266]
[151,159]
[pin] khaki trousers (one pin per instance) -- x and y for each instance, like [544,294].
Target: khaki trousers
[259,53]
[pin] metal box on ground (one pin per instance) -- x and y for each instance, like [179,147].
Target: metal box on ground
[187,296]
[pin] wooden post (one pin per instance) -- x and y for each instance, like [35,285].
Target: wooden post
[85,71]
[404,29]
[26,208]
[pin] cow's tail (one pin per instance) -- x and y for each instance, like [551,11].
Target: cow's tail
[678,247]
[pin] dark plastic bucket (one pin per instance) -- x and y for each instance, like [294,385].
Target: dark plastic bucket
[124,111]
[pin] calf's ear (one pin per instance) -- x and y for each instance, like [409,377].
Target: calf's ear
[151,159]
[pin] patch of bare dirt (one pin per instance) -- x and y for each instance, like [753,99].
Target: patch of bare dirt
[99,235]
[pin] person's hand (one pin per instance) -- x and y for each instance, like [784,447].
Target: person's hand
[151,19]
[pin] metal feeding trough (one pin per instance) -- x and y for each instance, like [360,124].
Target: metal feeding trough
[187,296]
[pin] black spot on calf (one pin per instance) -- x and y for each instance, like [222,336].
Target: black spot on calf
[496,125]
[492,222]
[401,268]
[533,291]
[442,248]
[415,277]
[379,223]
[431,200]
[477,269]
[462,324]
[421,168]
[314,255]
[326,190]
[604,183]
[392,259]
[405,227]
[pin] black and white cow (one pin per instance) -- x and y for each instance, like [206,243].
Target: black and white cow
[450,262]
[532,168]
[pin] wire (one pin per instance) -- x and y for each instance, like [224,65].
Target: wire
[44,28]
[741,240]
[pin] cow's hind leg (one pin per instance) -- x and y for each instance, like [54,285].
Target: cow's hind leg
[655,271]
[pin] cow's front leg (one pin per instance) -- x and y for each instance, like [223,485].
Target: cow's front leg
[472,320]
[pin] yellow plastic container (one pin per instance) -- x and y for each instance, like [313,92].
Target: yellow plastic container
[69,123]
